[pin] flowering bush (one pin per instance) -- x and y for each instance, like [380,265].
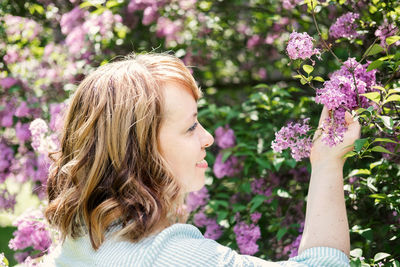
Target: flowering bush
[277,61]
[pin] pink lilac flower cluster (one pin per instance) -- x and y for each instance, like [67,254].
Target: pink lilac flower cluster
[293,136]
[7,200]
[386,30]
[197,199]
[255,217]
[213,229]
[20,27]
[246,237]
[149,7]
[340,93]
[225,138]
[300,45]
[32,234]
[78,23]
[6,158]
[345,26]
[290,4]
[231,167]
[8,82]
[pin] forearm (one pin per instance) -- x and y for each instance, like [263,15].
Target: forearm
[326,219]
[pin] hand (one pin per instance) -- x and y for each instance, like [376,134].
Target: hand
[322,153]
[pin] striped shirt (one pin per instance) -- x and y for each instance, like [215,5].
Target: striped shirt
[177,245]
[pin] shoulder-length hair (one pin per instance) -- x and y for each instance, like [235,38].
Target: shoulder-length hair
[109,167]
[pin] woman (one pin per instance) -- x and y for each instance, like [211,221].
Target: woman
[132,148]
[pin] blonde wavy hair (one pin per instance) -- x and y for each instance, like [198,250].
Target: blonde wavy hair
[109,167]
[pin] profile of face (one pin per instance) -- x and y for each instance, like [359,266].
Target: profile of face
[182,139]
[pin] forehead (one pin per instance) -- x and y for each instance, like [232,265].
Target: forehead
[179,102]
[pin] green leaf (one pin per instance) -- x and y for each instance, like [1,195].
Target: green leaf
[380,149]
[385,140]
[359,144]
[373,50]
[392,39]
[303,81]
[392,98]
[349,154]
[281,232]
[380,256]
[319,79]
[387,121]
[373,96]
[256,202]
[298,76]
[308,69]
[379,196]
[374,65]
[359,172]
[226,155]
[221,215]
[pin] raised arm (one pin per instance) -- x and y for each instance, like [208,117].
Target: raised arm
[326,222]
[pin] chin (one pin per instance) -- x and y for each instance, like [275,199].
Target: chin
[196,186]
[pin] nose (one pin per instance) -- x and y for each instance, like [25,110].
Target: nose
[207,139]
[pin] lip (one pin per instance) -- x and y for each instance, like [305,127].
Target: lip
[202,164]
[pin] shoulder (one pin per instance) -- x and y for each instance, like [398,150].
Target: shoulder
[184,245]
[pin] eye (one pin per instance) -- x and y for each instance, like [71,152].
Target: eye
[191,129]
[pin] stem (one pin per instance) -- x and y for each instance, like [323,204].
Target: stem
[320,35]
[355,85]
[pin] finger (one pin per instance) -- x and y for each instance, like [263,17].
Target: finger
[324,115]
[349,118]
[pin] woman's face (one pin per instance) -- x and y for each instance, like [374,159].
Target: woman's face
[182,140]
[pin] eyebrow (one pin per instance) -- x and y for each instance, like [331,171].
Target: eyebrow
[193,116]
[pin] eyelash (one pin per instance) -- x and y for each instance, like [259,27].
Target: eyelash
[191,129]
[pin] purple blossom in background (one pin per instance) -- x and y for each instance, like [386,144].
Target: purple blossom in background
[6,158]
[8,82]
[22,131]
[293,136]
[31,232]
[23,27]
[261,187]
[22,110]
[150,14]
[300,45]
[71,20]
[345,26]
[255,217]
[7,200]
[225,137]
[339,93]
[168,29]
[197,199]
[300,174]
[253,41]
[246,237]
[56,116]
[213,229]
[230,167]
[386,30]
[290,4]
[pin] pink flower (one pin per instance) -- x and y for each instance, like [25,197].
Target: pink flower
[301,45]
[197,199]
[225,137]
[22,110]
[345,26]
[230,167]
[150,14]
[22,131]
[246,237]
[8,82]
[253,41]
[293,136]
